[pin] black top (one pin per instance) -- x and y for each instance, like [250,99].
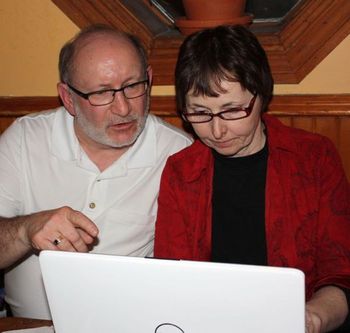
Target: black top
[238,220]
[238,227]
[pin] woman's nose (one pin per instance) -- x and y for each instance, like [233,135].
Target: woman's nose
[218,127]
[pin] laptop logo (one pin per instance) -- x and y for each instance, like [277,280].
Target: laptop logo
[168,328]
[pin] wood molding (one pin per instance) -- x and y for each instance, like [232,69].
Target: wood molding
[23,105]
[310,34]
[294,47]
[288,105]
[325,114]
[111,12]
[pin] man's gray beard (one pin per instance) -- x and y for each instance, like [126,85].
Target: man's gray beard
[100,135]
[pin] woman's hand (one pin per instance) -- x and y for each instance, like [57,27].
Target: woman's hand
[326,310]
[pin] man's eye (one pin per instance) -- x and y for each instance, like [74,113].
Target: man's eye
[132,86]
[102,92]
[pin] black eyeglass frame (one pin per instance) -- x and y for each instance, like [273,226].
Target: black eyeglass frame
[122,89]
[248,110]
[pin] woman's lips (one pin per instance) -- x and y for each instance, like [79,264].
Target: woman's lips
[222,144]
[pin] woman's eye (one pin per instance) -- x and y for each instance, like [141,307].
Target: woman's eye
[235,109]
[200,111]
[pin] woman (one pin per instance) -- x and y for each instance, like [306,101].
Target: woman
[252,190]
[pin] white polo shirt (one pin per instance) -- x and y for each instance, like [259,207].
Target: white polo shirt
[42,166]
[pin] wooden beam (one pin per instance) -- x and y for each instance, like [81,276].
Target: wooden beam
[294,47]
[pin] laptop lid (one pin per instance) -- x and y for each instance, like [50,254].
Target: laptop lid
[89,293]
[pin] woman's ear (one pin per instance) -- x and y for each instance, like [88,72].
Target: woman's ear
[66,97]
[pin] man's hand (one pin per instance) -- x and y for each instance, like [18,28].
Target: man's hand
[62,229]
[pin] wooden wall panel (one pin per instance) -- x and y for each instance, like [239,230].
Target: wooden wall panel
[305,123]
[344,143]
[328,115]
[329,126]
[5,122]
[286,120]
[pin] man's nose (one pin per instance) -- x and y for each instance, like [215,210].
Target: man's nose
[120,104]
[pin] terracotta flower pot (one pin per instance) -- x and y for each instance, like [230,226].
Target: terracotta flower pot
[187,27]
[201,14]
[205,10]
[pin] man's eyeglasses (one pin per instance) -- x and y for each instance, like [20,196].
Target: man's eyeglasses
[231,114]
[106,96]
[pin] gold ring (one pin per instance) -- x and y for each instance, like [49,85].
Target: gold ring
[57,241]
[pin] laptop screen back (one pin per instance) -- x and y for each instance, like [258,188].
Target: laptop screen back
[91,293]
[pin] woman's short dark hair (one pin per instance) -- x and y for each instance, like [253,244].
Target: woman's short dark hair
[230,53]
[67,53]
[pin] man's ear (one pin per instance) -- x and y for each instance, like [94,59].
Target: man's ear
[66,97]
[150,75]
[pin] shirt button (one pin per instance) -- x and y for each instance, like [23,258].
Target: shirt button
[92,205]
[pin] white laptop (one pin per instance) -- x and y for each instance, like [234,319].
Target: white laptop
[90,293]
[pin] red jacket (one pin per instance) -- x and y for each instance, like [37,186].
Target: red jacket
[307,207]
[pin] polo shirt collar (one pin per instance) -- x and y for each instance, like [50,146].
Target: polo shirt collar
[65,145]
[143,153]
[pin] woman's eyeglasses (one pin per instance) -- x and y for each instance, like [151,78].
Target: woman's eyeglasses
[231,114]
